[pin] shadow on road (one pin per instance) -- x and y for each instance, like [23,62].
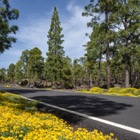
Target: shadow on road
[21,91]
[72,119]
[93,106]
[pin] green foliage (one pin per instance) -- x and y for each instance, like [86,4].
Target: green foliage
[20,102]
[95,49]
[11,72]
[126,17]
[78,72]
[2,74]
[30,66]
[6,15]
[19,71]
[57,68]
[116,36]
[55,50]
[35,64]
[11,98]
[100,44]
[117,66]
[25,60]
[67,73]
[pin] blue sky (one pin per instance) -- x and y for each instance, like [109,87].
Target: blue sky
[34,23]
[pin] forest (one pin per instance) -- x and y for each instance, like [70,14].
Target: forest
[112,54]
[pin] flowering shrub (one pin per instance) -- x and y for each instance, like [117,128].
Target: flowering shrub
[114,90]
[128,90]
[132,92]
[137,92]
[17,123]
[96,89]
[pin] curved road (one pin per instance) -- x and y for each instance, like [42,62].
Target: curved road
[121,110]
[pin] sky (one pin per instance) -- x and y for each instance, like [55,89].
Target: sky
[34,23]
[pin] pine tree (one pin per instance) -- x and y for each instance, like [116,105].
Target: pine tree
[97,10]
[94,52]
[127,22]
[78,73]
[2,75]
[67,73]
[25,60]
[19,71]
[11,73]
[35,64]
[55,52]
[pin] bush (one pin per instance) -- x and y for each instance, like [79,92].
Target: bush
[128,90]
[114,90]
[137,92]
[97,90]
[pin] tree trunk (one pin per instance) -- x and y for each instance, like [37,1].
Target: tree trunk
[126,71]
[107,52]
[126,59]
[107,66]
[132,72]
[90,77]
[99,70]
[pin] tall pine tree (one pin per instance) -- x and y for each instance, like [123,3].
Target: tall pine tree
[55,52]
[126,19]
[94,51]
[100,12]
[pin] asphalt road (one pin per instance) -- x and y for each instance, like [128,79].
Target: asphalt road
[122,110]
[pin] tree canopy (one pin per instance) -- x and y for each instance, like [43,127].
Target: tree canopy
[6,30]
[111,57]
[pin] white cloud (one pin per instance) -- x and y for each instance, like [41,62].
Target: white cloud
[74,31]
[33,33]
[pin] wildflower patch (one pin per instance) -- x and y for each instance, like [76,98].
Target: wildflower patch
[20,120]
[132,92]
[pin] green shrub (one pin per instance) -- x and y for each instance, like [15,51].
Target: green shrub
[17,100]
[97,90]
[11,97]
[114,90]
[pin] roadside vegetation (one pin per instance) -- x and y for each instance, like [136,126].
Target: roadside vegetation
[118,91]
[20,120]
